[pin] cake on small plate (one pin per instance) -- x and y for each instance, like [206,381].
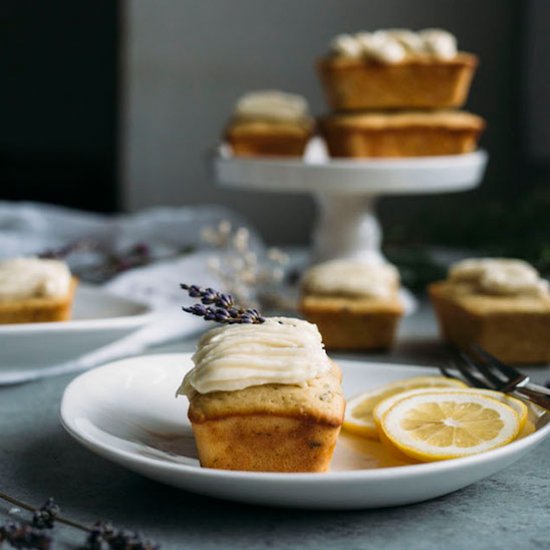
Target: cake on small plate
[34,290]
[355,304]
[396,69]
[263,394]
[401,133]
[270,123]
[500,304]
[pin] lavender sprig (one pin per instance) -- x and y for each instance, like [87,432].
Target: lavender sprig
[44,518]
[209,296]
[20,535]
[219,307]
[104,536]
[35,535]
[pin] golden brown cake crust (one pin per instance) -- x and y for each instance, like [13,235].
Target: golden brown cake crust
[515,329]
[262,127]
[319,401]
[405,134]
[270,428]
[482,304]
[381,121]
[421,82]
[459,60]
[38,310]
[334,304]
[354,323]
[265,443]
[264,138]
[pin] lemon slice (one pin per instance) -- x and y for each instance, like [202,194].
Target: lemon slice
[527,429]
[519,406]
[358,418]
[442,425]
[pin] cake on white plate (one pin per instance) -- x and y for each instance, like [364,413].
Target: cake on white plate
[355,304]
[502,304]
[35,290]
[270,123]
[263,394]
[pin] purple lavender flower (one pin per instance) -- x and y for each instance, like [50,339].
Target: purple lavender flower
[19,535]
[104,536]
[219,307]
[44,518]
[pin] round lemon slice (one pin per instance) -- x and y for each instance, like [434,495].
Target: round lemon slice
[519,406]
[359,419]
[442,425]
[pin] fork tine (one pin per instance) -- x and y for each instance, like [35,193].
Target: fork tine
[495,363]
[485,371]
[467,368]
[446,372]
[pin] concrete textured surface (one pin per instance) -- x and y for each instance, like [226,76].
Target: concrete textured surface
[38,459]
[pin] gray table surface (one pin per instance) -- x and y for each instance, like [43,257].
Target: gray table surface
[37,459]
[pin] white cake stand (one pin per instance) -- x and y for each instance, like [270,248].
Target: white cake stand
[346,190]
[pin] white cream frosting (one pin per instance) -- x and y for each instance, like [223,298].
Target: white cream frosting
[22,278]
[233,357]
[500,276]
[396,45]
[410,40]
[351,278]
[347,45]
[439,43]
[272,105]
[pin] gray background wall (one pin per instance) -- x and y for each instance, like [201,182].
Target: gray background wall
[187,61]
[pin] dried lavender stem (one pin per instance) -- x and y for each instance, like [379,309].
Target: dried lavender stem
[25,506]
[219,307]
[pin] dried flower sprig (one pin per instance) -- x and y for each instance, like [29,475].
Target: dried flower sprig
[44,517]
[104,536]
[21,535]
[101,263]
[249,275]
[219,307]
[36,535]
[95,262]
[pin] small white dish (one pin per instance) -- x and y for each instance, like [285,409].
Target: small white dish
[127,412]
[98,318]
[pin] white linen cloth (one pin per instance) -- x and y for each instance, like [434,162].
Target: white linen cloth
[29,228]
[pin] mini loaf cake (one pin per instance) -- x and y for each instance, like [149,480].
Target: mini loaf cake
[500,304]
[355,304]
[270,123]
[401,134]
[34,290]
[396,69]
[264,397]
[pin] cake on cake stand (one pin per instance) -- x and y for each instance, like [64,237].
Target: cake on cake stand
[346,190]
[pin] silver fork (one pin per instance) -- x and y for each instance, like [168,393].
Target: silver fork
[480,369]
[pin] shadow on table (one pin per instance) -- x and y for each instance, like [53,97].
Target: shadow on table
[88,488]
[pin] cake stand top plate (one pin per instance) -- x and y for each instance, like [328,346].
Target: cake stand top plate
[416,175]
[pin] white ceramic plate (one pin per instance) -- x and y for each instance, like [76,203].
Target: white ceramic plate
[98,319]
[127,412]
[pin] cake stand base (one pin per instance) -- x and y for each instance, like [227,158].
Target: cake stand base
[346,190]
[347,227]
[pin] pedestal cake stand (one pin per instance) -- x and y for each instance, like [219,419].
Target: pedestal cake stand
[346,190]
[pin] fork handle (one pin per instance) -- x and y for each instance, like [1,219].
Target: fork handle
[538,388]
[534,396]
